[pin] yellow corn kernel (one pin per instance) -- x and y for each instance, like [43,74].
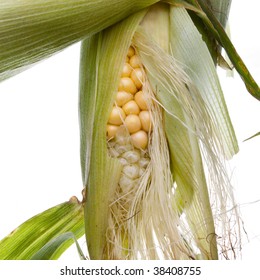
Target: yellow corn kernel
[123,97]
[131,107]
[135,61]
[140,139]
[126,84]
[112,130]
[117,116]
[133,123]
[131,51]
[127,70]
[137,77]
[140,100]
[145,119]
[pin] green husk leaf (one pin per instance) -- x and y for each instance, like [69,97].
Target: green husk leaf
[32,235]
[217,136]
[54,248]
[221,36]
[220,9]
[102,59]
[202,72]
[215,30]
[35,29]
[186,161]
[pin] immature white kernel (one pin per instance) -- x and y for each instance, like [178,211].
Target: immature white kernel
[140,100]
[143,162]
[114,152]
[112,130]
[127,84]
[122,136]
[131,107]
[133,123]
[123,148]
[123,161]
[145,119]
[131,51]
[137,77]
[127,70]
[117,116]
[131,171]
[126,183]
[123,97]
[140,139]
[135,61]
[131,156]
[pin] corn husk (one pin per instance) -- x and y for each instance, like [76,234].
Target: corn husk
[33,30]
[221,9]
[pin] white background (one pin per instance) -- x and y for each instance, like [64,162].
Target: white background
[39,133]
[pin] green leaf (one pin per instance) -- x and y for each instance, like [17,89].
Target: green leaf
[23,242]
[31,30]
[53,249]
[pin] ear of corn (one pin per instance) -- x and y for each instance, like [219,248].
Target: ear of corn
[35,29]
[170,203]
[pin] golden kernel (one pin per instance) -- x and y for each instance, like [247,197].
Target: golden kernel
[117,116]
[140,139]
[112,130]
[133,123]
[123,97]
[127,69]
[135,61]
[137,77]
[145,119]
[131,52]
[127,59]
[140,100]
[131,107]
[126,84]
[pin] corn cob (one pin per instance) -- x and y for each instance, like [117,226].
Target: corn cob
[128,131]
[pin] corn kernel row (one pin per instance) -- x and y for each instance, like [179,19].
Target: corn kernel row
[130,108]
